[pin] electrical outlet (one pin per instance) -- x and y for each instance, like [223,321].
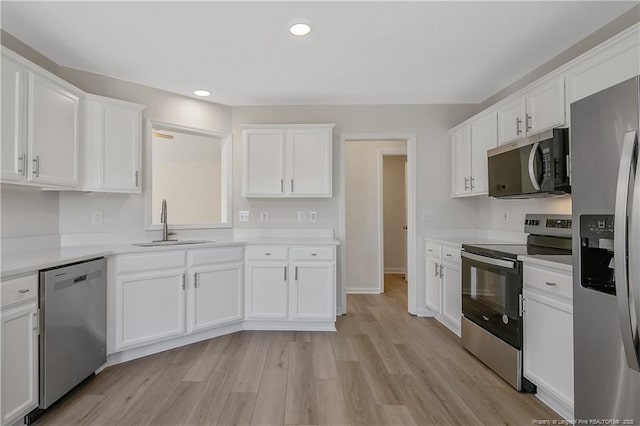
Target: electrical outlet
[243,216]
[313,216]
[97,217]
[264,217]
[505,216]
[301,216]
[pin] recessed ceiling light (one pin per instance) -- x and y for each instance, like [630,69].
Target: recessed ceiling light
[300,29]
[202,93]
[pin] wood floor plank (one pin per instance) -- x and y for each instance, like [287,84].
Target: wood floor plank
[271,399]
[300,407]
[323,360]
[332,408]
[361,407]
[399,415]
[278,353]
[237,409]
[248,379]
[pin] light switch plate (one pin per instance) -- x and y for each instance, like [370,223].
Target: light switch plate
[313,216]
[264,217]
[243,216]
[302,216]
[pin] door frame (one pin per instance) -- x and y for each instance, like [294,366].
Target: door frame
[412,249]
[381,154]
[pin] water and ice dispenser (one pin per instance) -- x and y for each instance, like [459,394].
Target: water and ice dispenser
[596,253]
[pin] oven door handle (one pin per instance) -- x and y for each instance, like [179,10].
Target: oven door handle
[489,260]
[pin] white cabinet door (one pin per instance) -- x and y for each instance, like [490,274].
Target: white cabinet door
[13,121]
[511,125]
[309,158]
[452,294]
[545,106]
[149,307]
[267,290]
[217,296]
[19,362]
[432,281]
[461,161]
[548,345]
[264,162]
[113,145]
[484,136]
[312,291]
[53,132]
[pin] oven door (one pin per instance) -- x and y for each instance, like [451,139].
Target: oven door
[491,293]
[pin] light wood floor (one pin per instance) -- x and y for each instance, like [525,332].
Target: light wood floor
[383,366]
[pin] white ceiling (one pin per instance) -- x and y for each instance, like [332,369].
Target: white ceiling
[357,53]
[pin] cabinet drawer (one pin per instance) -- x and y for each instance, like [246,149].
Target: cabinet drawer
[215,255]
[312,253]
[150,262]
[19,289]
[267,253]
[551,282]
[433,249]
[451,254]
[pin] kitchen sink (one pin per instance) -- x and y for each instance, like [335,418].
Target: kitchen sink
[171,243]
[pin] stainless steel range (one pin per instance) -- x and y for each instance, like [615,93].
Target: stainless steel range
[492,294]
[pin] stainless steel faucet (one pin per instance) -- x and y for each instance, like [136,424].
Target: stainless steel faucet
[165,226]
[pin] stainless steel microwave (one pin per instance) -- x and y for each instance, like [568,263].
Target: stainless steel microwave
[529,169]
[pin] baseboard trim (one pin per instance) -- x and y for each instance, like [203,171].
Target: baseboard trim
[424,312]
[363,290]
[397,271]
[290,326]
[554,403]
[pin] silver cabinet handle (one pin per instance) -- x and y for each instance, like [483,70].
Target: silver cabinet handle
[36,166]
[448,254]
[518,122]
[267,254]
[528,122]
[429,250]
[22,166]
[196,280]
[296,276]
[23,291]
[550,284]
[314,254]
[136,177]
[184,287]
[472,185]
[466,183]
[281,185]
[436,269]
[441,271]
[291,185]
[285,273]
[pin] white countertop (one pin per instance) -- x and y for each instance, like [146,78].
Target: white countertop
[32,261]
[562,262]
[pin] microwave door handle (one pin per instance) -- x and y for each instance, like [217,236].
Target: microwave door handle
[620,249]
[634,246]
[532,172]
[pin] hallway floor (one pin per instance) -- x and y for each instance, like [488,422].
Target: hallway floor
[382,367]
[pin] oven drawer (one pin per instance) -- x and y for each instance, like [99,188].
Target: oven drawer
[433,249]
[553,283]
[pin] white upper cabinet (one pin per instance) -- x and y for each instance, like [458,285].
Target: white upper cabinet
[511,117]
[264,162]
[461,160]
[112,145]
[540,108]
[484,136]
[469,146]
[309,160]
[53,131]
[288,160]
[14,150]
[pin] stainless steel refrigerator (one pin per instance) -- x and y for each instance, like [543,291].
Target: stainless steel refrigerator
[606,248]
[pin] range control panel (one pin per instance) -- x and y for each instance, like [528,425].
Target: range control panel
[541,224]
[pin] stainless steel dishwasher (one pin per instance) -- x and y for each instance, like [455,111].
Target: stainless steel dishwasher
[73,315]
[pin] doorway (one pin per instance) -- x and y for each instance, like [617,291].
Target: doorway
[392,210]
[362,263]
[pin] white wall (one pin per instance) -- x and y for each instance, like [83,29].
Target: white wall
[362,194]
[28,212]
[492,211]
[394,213]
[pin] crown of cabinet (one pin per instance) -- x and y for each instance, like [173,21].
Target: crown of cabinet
[288,160]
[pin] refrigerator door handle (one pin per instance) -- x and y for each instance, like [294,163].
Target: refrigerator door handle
[621,233]
[634,247]
[532,171]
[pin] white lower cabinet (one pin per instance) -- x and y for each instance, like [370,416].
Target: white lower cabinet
[443,284]
[150,307]
[267,290]
[216,297]
[312,295]
[19,350]
[548,336]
